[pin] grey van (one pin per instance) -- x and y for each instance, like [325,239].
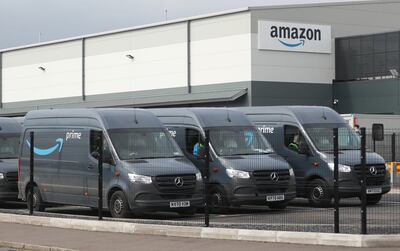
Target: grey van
[311,129]
[10,131]
[244,169]
[144,168]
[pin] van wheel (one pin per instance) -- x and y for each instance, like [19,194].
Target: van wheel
[119,207]
[373,199]
[278,206]
[318,193]
[218,200]
[37,200]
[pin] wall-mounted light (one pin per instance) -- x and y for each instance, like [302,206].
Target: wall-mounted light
[130,56]
[42,68]
[335,101]
[394,73]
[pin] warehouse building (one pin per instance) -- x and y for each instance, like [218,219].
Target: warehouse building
[345,55]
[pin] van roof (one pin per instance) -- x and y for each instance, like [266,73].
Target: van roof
[303,114]
[9,125]
[110,117]
[207,117]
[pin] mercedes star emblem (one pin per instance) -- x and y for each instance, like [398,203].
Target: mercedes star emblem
[274,176]
[373,170]
[178,182]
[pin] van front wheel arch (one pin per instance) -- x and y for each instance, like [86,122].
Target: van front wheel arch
[218,199]
[119,207]
[318,193]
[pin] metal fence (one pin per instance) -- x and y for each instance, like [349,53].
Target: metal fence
[243,185]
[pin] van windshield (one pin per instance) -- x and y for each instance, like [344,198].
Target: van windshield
[322,136]
[9,144]
[230,141]
[143,144]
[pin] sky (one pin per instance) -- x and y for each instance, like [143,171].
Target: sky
[24,22]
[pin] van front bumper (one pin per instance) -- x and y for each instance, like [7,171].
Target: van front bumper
[349,185]
[261,198]
[348,191]
[8,190]
[155,202]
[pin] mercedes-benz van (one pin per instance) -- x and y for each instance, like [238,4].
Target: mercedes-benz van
[10,131]
[304,136]
[143,167]
[244,169]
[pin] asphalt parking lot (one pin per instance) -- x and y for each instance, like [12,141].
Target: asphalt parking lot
[383,218]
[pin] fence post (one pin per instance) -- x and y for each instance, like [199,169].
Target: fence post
[363,184]
[336,177]
[393,158]
[207,179]
[100,176]
[31,180]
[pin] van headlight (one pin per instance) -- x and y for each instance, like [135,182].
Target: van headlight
[232,173]
[198,177]
[1,176]
[137,178]
[291,172]
[342,168]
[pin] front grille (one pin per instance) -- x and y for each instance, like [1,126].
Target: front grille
[265,184]
[166,183]
[372,180]
[12,176]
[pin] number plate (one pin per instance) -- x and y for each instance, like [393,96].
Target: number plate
[377,190]
[175,204]
[275,197]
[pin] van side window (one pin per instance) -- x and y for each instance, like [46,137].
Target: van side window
[193,141]
[94,143]
[293,137]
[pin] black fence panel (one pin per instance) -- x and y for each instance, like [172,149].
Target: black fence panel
[233,178]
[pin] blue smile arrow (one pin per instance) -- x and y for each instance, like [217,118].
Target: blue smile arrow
[48,151]
[301,43]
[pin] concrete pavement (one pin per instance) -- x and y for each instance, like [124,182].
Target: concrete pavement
[101,241]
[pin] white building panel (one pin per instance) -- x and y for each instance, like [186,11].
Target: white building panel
[221,50]
[23,80]
[159,60]
[286,66]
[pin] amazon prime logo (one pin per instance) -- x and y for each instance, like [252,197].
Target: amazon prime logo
[178,182]
[274,176]
[373,170]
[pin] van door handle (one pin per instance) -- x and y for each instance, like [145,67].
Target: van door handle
[91,167]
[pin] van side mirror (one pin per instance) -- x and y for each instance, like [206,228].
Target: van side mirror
[107,157]
[304,149]
[377,132]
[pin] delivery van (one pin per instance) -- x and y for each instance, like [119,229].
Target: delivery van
[244,169]
[304,136]
[143,167]
[10,131]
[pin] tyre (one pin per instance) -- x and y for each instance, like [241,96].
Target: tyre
[318,193]
[373,199]
[119,207]
[38,204]
[218,200]
[278,206]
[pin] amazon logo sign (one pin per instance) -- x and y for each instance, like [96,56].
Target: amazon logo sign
[285,36]
[58,144]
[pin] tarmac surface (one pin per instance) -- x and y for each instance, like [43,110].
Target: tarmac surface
[383,218]
[100,241]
